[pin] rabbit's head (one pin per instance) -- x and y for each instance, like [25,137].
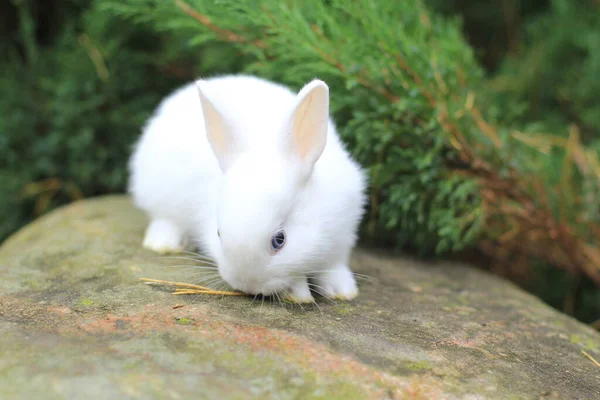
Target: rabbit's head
[256,241]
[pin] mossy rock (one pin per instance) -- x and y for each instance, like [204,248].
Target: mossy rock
[76,322]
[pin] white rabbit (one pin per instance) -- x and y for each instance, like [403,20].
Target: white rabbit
[257,177]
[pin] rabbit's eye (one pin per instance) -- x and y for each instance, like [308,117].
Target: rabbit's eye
[277,241]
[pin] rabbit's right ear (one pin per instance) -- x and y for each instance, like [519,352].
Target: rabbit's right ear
[218,133]
[306,135]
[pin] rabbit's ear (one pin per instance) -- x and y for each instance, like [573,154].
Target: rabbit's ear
[218,133]
[307,132]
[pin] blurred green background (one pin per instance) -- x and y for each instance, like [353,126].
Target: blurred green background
[478,121]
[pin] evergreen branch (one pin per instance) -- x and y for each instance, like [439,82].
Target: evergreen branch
[567,254]
[223,34]
[360,77]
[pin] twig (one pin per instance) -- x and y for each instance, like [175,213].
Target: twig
[207,22]
[46,189]
[416,79]
[95,56]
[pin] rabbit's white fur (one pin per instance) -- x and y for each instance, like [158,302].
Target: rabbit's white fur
[246,157]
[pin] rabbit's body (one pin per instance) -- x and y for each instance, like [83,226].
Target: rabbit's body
[230,184]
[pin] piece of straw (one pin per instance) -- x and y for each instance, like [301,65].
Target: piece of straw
[190,288]
[192,291]
[592,359]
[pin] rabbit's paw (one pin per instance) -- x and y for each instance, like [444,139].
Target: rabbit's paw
[163,237]
[299,292]
[337,283]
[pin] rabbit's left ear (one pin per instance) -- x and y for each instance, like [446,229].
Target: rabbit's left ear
[306,135]
[218,132]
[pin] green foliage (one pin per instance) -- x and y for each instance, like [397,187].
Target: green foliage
[493,27]
[73,108]
[562,47]
[548,84]
[73,111]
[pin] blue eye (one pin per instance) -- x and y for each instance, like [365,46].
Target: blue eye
[277,241]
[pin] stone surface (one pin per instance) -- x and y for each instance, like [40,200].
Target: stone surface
[76,323]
